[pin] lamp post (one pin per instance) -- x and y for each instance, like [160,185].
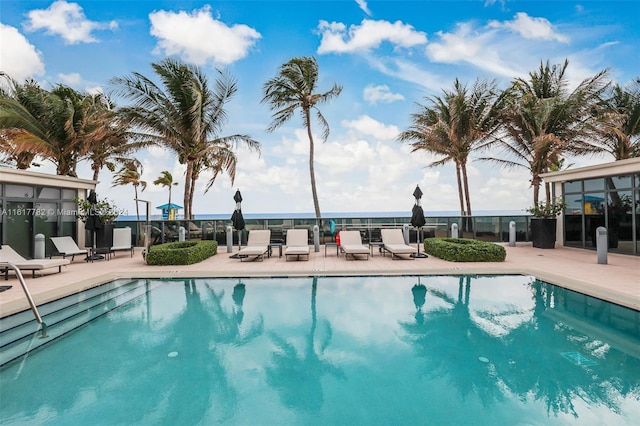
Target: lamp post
[147,231]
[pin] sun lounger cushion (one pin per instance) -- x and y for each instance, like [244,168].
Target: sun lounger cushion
[297,243]
[122,240]
[351,244]
[66,246]
[8,254]
[393,242]
[257,245]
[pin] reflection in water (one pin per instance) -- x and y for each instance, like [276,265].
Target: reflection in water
[297,376]
[365,350]
[528,360]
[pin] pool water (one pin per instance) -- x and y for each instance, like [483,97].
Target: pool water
[438,350]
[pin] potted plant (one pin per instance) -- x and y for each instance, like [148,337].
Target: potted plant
[544,223]
[107,211]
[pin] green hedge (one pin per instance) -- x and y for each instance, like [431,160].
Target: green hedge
[181,253]
[464,250]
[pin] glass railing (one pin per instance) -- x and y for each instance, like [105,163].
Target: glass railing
[485,228]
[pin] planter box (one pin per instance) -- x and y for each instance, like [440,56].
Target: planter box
[543,232]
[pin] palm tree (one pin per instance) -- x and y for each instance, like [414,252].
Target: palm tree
[292,89]
[166,179]
[108,138]
[42,123]
[452,126]
[185,115]
[130,174]
[618,124]
[542,121]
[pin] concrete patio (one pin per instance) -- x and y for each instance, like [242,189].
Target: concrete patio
[617,281]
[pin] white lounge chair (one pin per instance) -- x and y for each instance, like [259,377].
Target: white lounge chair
[297,244]
[122,240]
[351,245]
[257,245]
[393,242]
[66,246]
[8,254]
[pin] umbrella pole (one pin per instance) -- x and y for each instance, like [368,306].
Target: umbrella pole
[418,255]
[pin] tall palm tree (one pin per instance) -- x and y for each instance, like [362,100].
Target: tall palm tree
[291,90]
[130,174]
[166,179]
[185,115]
[452,126]
[542,121]
[618,124]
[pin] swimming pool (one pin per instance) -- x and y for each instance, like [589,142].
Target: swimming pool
[334,350]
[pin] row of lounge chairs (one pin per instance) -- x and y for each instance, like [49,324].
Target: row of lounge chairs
[297,245]
[66,248]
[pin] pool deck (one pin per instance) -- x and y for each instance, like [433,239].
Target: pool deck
[617,281]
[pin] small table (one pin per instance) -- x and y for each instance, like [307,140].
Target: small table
[99,253]
[274,245]
[378,244]
[331,244]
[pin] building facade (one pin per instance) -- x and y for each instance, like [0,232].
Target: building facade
[602,195]
[38,203]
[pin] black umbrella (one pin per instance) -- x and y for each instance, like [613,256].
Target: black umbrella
[417,219]
[94,223]
[237,219]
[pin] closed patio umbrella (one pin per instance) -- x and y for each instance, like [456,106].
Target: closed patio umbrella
[417,220]
[237,220]
[94,223]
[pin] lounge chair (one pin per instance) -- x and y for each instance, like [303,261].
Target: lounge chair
[297,244]
[257,245]
[65,246]
[122,240]
[8,254]
[393,242]
[351,245]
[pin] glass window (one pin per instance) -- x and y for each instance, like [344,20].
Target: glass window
[19,191]
[574,205]
[620,221]
[69,194]
[594,184]
[575,186]
[45,192]
[619,182]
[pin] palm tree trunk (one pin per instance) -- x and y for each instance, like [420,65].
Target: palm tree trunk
[187,190]
[193,191]
[460,196]
[465,182]
[314,192]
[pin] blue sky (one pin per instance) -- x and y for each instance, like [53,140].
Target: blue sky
[387,55]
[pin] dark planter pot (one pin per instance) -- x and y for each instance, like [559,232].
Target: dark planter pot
[543,232]
[104,236]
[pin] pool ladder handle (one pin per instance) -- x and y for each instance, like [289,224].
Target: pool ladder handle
[34,308]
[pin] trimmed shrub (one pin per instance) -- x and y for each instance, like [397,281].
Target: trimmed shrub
[464,250]
[181,253]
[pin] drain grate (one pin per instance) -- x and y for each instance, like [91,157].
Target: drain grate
[578,359]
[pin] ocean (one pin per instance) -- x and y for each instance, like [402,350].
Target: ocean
[333,215]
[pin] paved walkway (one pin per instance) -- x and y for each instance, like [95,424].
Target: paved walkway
[577,269]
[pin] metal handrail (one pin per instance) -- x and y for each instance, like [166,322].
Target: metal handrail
[34,308]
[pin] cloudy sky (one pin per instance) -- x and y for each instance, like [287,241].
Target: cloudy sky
[387,55]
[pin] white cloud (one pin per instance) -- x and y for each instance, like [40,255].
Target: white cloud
[368,126]
[19,59]
[381,93]
[370,34]
[531,28]
[197,37]
[66,20]
[362,4]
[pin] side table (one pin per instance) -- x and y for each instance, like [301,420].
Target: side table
[275,245]
[331,244]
